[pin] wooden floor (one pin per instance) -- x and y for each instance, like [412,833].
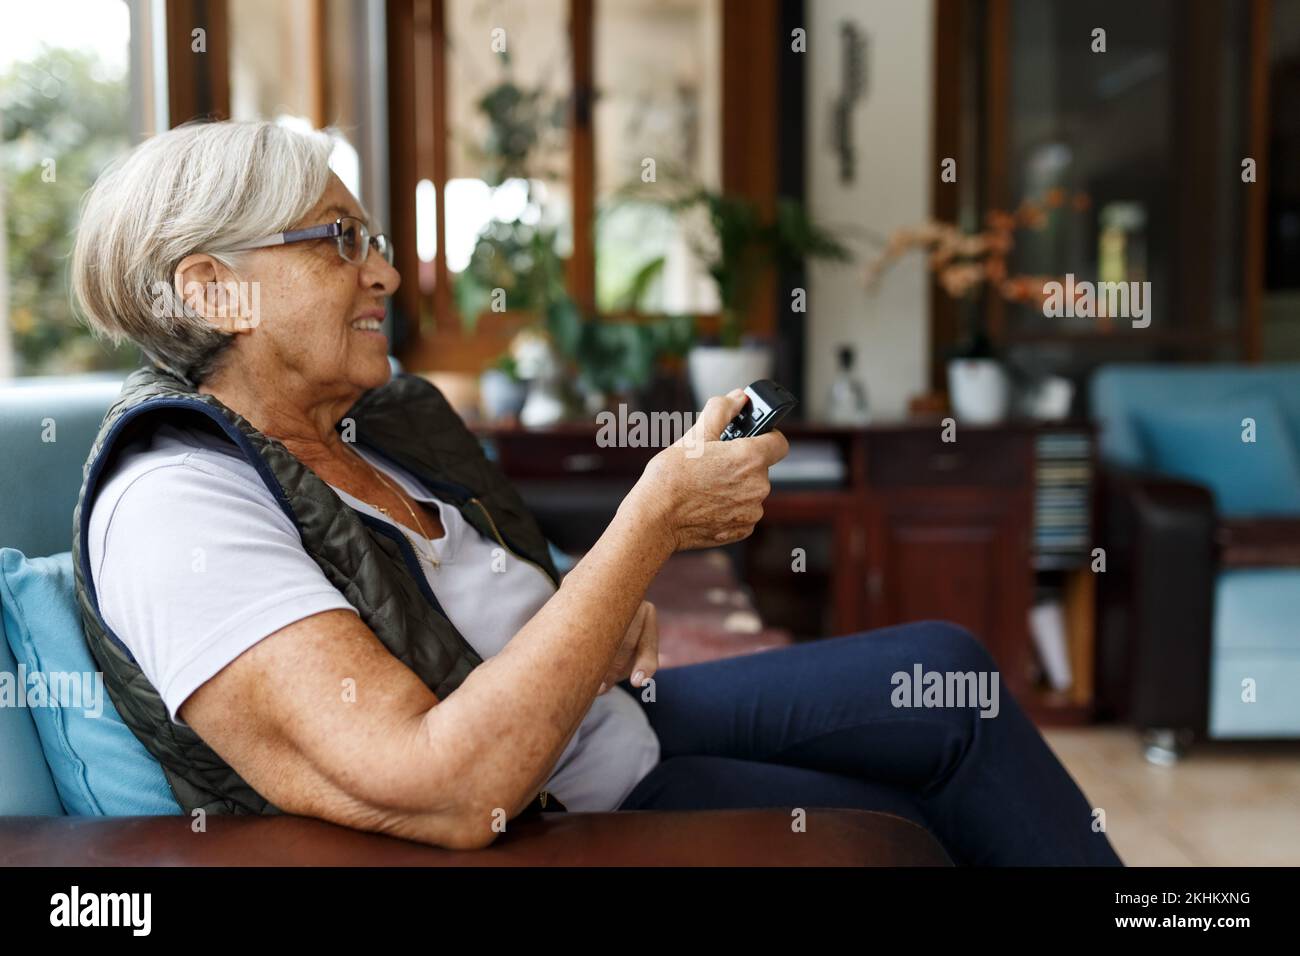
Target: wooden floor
[1224,804]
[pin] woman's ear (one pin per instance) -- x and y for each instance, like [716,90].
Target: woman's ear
[210,289]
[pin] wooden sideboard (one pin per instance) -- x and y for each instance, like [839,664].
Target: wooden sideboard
[917,528]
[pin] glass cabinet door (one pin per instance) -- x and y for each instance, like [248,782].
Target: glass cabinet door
[1125,130]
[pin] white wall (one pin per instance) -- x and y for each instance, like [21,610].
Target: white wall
[892,132]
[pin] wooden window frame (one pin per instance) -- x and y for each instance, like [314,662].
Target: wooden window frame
[429,334]
[198,84]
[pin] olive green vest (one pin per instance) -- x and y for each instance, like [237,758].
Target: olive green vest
[370,562]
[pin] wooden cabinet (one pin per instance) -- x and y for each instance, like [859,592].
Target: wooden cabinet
[948,535]
[918,529]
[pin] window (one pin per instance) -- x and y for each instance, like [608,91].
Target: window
[73,95]
[509,210]
[658,79]
[520,130]
[295,63]
[500,142]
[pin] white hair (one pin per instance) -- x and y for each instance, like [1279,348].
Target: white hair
[201,187]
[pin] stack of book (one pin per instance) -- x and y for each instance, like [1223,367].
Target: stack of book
[1062,506]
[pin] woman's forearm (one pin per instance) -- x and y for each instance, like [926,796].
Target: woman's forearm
[494,740]
[513,715]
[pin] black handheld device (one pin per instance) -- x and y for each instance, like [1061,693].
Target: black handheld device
[768,404]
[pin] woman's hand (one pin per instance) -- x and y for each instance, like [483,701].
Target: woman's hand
[638,655]
[703,492]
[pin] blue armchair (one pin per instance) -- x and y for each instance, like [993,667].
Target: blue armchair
[1199,625]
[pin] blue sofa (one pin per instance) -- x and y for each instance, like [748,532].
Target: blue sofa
[39,483]
[1199,625]
[47,823]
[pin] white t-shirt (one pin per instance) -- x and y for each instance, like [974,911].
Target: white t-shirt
[194,562]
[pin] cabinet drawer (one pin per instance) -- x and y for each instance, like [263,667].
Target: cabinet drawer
[561,456]
[920,457]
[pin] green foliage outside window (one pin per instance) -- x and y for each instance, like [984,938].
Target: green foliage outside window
[62,120]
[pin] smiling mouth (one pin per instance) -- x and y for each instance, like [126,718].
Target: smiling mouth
[368,325]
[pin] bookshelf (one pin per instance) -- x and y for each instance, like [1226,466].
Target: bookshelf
[1063,619]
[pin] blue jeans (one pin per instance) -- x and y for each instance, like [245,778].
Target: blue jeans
[816,725]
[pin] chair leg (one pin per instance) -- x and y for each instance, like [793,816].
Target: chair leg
[1165,746]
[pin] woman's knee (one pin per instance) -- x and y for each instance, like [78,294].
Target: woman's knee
[947,646]
[933,647]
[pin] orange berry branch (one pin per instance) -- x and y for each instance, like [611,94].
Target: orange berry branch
[962,262]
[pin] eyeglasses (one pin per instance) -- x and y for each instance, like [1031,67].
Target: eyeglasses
[354,240]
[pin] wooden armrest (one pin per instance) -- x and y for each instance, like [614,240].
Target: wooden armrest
[624,838]
[1259,542]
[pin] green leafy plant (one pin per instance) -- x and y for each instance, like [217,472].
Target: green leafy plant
[523,259]
[506,364]
[521,122]
[614,356]
[524,125]
[523,128]
[638,287]
[516,257]
[744,244]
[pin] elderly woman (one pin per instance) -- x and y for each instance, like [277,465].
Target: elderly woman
[310,592]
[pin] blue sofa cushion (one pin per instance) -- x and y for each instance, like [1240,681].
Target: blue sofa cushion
[1202,442]
[1117,393]
[1273,708]
[98,765]
[1256,609]
[26,787]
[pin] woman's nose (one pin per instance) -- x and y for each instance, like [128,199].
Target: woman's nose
[379,275]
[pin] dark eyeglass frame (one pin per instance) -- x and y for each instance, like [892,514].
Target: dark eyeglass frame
[331,230]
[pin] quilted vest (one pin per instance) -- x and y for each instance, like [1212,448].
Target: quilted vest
[373,564]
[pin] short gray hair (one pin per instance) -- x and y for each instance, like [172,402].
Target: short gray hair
[201,187]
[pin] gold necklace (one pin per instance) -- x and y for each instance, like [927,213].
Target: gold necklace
[428,557]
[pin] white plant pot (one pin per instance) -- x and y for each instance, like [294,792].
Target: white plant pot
[979,389]
[714,370]
[544,405]
[500,396]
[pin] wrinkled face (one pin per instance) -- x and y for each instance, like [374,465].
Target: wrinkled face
[312,306]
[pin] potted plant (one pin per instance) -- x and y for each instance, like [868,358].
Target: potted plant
[523,131]
[548,400]
[501,390]
[979,386]
[741,247]
[616,357]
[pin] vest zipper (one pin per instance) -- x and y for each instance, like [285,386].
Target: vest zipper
[501,541]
